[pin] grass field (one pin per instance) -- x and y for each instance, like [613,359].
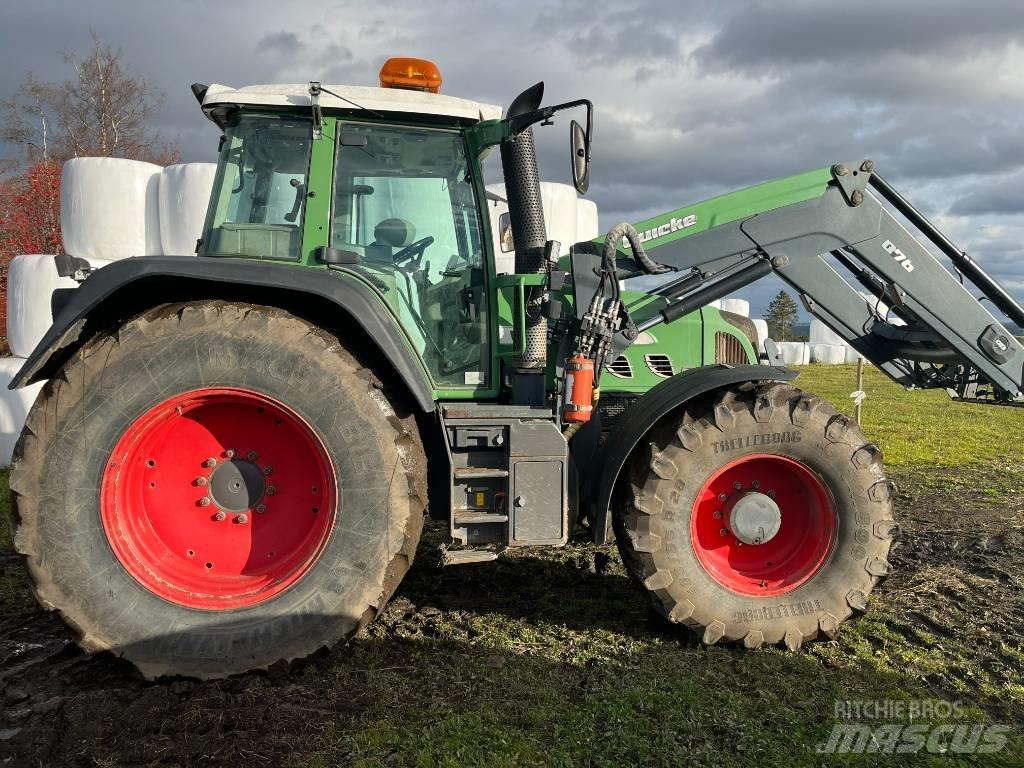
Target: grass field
[921,429]
[550,657]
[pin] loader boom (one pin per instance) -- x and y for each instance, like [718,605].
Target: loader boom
[843,238]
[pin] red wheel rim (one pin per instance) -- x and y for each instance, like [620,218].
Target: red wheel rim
[218,498]
[805,537]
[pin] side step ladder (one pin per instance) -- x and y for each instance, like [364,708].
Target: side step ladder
[468,556]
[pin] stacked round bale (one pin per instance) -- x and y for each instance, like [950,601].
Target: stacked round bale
[826,346]
[569,219]
[110,209]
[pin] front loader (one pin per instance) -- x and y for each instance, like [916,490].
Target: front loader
[229,465]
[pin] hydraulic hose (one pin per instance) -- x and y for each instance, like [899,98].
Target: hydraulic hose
[628,231]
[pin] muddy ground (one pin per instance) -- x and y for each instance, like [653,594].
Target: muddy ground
[551,656]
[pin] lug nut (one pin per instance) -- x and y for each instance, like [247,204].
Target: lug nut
[242,519]
[219,516]
[204,502]
[722,497]
[723,532]
[756,484]
[268,470]
[261,508]
[229,454]
[210,462]
[718,514]
[252,455]
[200,481]
[271,490]
[771,494]
[737,484]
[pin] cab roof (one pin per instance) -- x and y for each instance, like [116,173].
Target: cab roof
[384,100]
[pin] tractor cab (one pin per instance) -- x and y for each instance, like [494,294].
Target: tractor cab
[377,183]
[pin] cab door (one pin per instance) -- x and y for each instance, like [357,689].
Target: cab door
[405,205]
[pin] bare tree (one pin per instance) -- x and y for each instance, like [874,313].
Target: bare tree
[28,118]
[102,110]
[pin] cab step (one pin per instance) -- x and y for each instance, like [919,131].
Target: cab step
[477,518]
[476,473]
[467,556]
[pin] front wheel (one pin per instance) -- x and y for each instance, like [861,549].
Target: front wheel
[215,488]
[764,518]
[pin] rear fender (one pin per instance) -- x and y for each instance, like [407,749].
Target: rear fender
[631,427]
[125,288]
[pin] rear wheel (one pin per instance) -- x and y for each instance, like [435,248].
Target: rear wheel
[764,518]
[216,488]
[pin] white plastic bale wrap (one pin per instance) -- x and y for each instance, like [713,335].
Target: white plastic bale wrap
[794,352]
[31,281]
[14,407]
[852,355]
[560,213]
[828,354]
[184,197]
[504,263]
[822,334]
[587,227]
[762,332]
[737,306]
[110,208]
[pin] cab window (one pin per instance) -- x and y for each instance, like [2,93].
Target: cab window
[260,190]
[405,209]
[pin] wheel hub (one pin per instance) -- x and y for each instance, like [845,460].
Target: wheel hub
[237,485]
[763,524]
[753,517]
[218,498]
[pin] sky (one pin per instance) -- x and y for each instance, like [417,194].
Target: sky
[692,99]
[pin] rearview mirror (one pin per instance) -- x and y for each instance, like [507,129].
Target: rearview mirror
[580,145]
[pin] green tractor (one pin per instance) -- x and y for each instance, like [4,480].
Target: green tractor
[231,460]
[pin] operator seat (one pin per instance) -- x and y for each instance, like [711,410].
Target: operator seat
[390,236]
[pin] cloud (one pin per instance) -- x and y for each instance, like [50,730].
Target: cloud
[764,37]
[280,42]
[993,196]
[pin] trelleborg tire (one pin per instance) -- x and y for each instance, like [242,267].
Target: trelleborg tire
[764,518]
[215,488]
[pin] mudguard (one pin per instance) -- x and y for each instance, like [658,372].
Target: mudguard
[138,283]
[631,427]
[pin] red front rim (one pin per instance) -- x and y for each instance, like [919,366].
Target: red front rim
[218,498]
[806,534]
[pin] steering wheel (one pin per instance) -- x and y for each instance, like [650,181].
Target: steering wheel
[413,249]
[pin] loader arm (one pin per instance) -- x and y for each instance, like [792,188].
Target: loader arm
[836,235]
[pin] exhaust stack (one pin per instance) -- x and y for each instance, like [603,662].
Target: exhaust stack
[529,233]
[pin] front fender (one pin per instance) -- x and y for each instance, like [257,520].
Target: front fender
[133,285]
[638,419]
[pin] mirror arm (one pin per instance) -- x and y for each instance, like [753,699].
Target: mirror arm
[522,122]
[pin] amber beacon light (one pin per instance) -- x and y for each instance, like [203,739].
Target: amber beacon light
[411,74]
